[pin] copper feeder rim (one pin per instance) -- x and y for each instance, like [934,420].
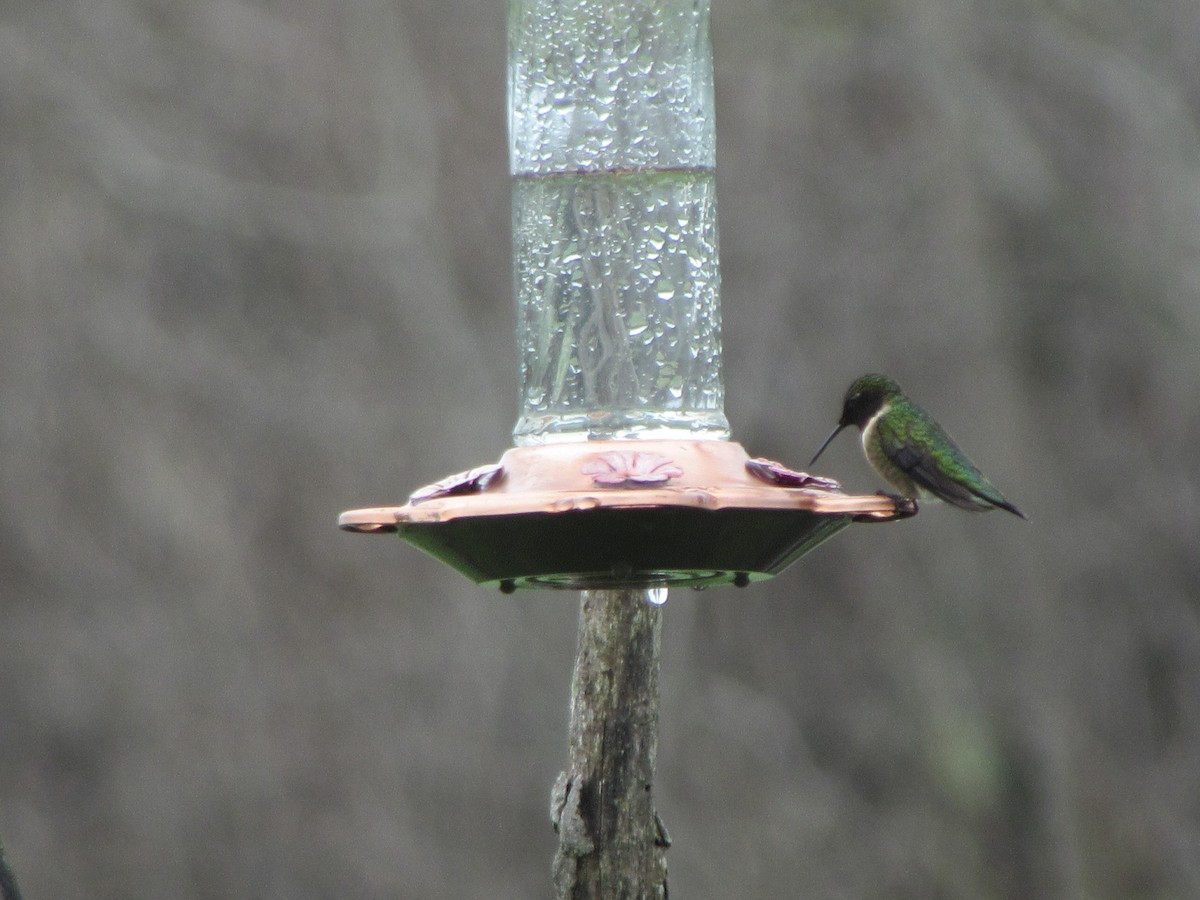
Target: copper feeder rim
[741,483]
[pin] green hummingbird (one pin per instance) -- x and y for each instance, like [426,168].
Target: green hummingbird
[910,450]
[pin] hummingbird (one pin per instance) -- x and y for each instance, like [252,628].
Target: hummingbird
[912,451]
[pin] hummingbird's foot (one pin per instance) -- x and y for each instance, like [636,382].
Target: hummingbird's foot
[905,508]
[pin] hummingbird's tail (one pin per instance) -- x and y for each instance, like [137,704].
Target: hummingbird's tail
[1005,505]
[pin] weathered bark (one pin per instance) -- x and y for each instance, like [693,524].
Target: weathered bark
[611,843]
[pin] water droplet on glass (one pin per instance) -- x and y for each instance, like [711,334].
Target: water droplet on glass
[619,324]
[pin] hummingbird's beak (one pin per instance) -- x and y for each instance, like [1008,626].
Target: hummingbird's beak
[828,441]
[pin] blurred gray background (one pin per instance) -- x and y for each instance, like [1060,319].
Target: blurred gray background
[254,270]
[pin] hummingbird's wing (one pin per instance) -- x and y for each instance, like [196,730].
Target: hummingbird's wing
[918,446]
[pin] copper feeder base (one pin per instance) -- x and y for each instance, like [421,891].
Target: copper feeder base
[624,514]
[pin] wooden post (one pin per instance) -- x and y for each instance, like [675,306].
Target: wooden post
[611,842]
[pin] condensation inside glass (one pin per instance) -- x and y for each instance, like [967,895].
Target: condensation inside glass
[602,86]
[618,312]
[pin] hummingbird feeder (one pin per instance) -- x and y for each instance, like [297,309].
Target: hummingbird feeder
[623,474]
